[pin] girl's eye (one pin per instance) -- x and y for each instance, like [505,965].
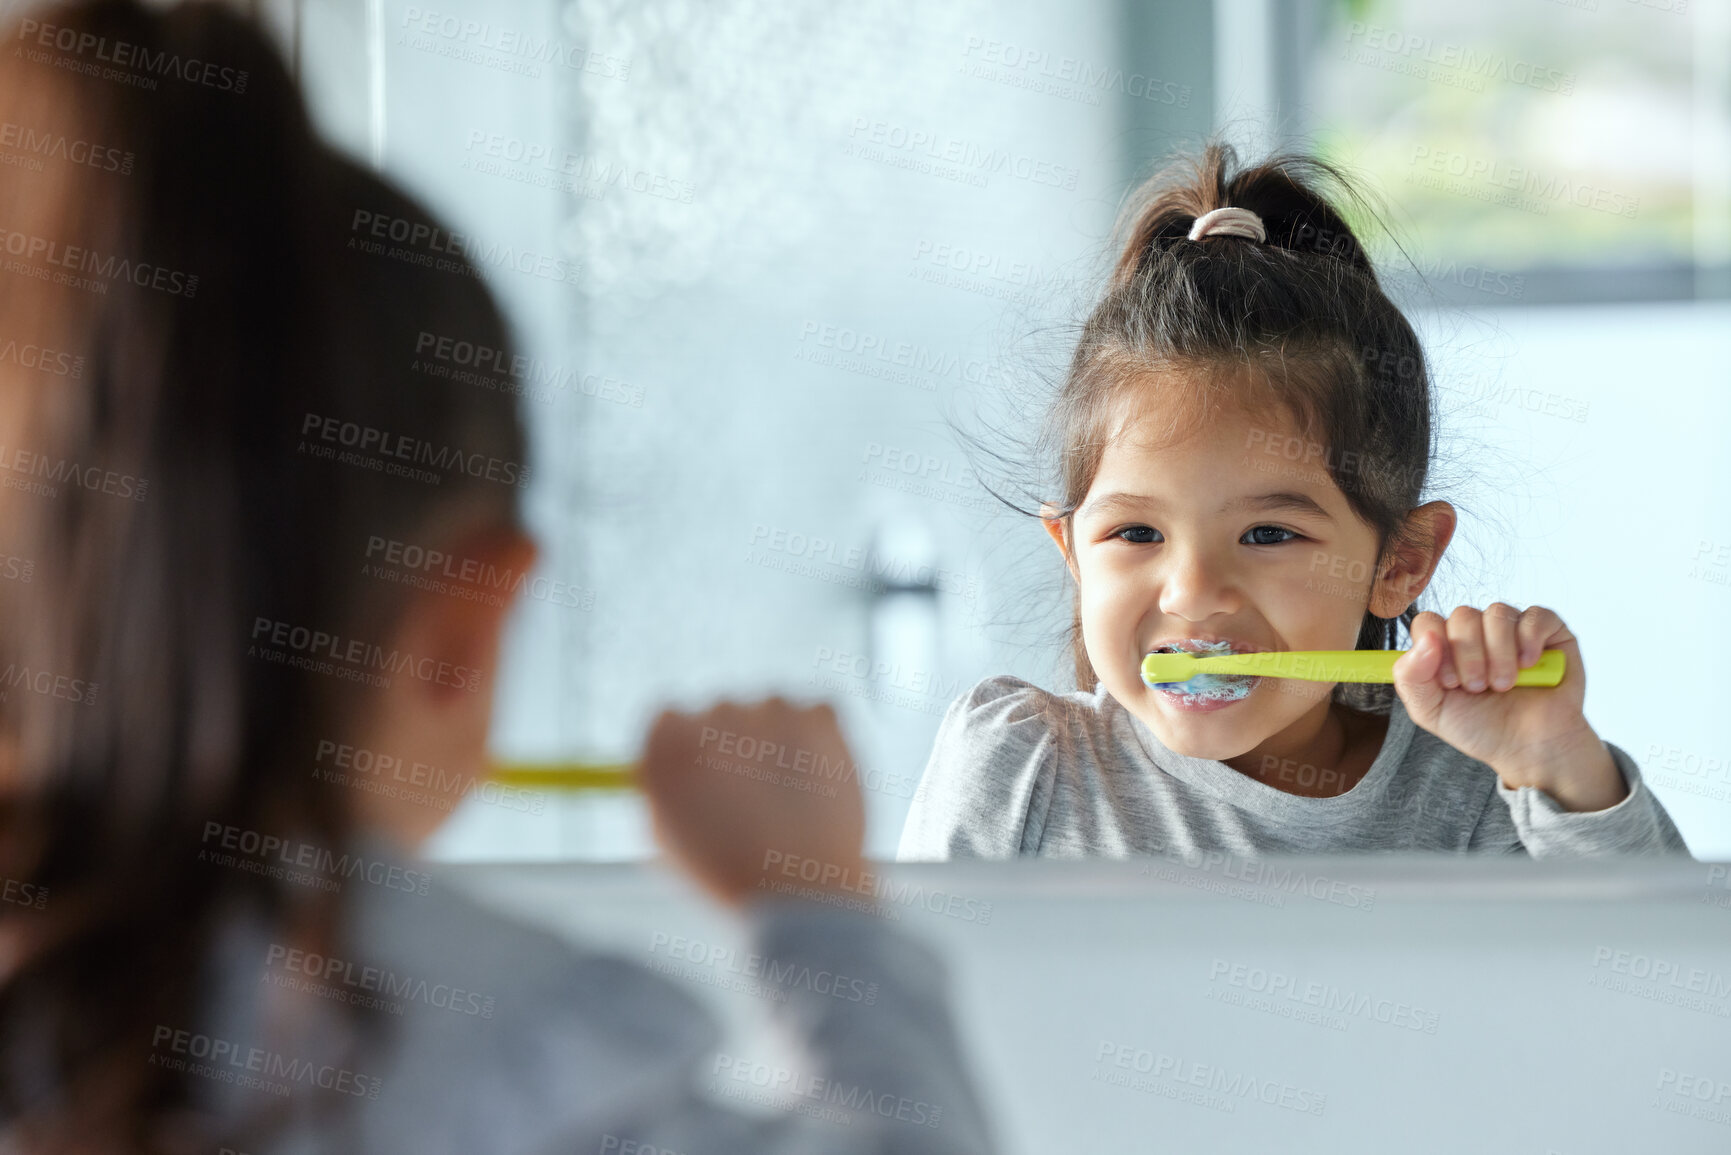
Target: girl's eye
[1146,535]
[1265,529]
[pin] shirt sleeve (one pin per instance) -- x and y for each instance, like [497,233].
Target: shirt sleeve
[988,782]
[883,1070]
[1636,825]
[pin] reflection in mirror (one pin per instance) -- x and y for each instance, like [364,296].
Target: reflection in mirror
[1238,463]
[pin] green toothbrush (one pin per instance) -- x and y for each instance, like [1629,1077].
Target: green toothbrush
[1318,666]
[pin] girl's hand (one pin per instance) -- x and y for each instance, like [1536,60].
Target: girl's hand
[1457,682]
[724,793]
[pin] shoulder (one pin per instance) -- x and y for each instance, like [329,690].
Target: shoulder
[1007,718]
[529,1016]
[1006,700]
[992,768]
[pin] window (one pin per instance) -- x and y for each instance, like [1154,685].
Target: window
[1538,150]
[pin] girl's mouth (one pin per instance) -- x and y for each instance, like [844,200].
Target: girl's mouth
[1204,692]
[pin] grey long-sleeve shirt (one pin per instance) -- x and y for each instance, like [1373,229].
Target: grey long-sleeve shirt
[506,1040]
[1017,770]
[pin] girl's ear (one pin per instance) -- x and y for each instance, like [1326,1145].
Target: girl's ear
[1413,559]
[1059,529]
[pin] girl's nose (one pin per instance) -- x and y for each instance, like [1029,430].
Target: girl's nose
[1194,586]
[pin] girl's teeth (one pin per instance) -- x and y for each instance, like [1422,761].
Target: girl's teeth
[1208,686]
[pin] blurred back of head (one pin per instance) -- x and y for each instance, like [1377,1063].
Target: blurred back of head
[185,308]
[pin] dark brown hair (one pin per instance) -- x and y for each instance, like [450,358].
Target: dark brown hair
[143,718]
[1296,325]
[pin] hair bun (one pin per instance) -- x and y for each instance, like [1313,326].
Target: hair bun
[1228,222]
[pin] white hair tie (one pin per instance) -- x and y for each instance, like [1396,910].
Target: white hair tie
[1229,222]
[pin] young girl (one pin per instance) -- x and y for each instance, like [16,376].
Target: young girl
[1242,442]
[215,935]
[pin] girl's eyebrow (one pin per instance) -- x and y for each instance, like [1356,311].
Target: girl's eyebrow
[1286,499]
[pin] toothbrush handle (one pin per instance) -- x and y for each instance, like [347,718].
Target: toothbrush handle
[1356,666]
[565,776]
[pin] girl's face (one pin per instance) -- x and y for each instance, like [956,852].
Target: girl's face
[1234,539]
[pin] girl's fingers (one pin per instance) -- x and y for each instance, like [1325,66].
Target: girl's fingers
[1485,649]
[1426,630]
[1502,646]
[1467,650]
[1447,674]
[1538,626]
[1420,662]
[1467,642]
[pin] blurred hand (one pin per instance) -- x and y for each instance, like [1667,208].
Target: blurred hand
[1457,681]
[738,792]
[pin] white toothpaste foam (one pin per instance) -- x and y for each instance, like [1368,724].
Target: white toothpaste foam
[1210,687]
